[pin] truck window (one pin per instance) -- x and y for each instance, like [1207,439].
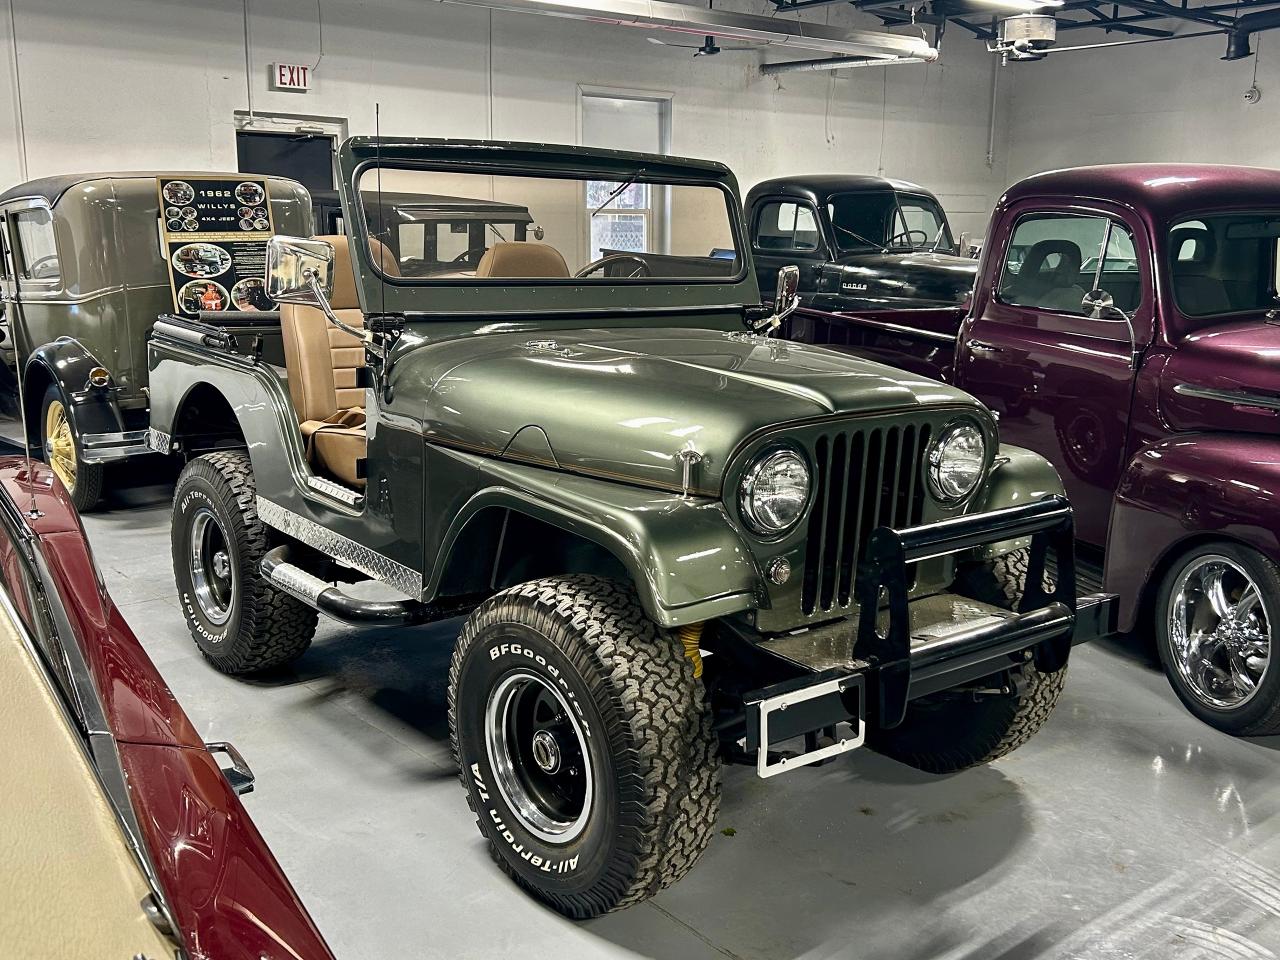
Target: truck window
[783,225]
[1045,265]
[916,217]
[36,249]
[1225,263]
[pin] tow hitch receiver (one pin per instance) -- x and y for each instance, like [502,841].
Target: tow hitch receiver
[805,706]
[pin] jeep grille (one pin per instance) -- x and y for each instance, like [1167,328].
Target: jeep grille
[867,478]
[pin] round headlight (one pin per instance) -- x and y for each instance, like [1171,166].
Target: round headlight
[956,460]
[775,492]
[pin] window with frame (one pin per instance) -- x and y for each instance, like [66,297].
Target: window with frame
[37,250]
[1054,259]
[786,225]
[626,222]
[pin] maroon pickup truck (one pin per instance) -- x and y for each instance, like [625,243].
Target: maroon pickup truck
[1125,323]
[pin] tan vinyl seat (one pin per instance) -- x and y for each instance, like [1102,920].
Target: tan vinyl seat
[323,361]
[522,259]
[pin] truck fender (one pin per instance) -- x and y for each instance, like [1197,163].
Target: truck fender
[67,362]
[1017,476]
[1186,490]
[686,559]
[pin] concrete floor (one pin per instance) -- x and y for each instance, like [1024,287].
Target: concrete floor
[1126,829]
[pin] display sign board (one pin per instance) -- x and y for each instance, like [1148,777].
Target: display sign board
[290,76]
[215,233]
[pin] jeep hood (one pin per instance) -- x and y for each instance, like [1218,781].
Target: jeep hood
[622,404]
[931,279]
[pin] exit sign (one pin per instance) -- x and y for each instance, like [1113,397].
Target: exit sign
[290,76]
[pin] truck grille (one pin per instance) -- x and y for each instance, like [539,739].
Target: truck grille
[867,478]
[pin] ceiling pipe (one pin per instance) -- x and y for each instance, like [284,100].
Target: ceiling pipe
[701,22]
[836,63]
[1243,28]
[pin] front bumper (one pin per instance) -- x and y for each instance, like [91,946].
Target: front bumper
[901,649]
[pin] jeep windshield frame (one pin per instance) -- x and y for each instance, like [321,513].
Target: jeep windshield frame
[359,159]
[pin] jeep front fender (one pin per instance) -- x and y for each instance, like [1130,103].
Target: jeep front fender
[1188,488]
[685,557]
[1018,476]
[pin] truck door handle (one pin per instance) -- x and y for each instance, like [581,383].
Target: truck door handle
[982,347]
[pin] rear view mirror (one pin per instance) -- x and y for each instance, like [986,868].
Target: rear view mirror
[299,271]
[788,284]
[1100,305]
[785,299]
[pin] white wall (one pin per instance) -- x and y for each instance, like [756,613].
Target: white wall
[151,84]
[1163,101]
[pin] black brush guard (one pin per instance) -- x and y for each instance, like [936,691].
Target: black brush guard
[892,670]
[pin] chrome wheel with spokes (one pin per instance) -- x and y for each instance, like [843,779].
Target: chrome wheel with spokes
[1220,631]
[539,756]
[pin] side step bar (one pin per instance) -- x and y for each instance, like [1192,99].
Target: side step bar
[333,602]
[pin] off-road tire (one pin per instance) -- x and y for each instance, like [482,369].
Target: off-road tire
[954,730]
[1260,716]
[266,627]
[86,492]
[654,757]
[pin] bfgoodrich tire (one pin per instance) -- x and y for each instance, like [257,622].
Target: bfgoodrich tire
[953,730]
[1222,667]
[239,621]
[584,743]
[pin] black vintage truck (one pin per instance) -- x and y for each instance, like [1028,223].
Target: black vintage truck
[861,242]
[677,540]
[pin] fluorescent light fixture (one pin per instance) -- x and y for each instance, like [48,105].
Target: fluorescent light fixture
[1022,6]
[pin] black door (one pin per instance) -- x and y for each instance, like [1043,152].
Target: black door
[785,231]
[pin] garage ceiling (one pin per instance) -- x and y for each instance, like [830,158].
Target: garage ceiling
[1156,19]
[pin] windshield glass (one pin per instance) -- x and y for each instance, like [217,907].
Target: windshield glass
[446,225]
[886,220]
[1225,263]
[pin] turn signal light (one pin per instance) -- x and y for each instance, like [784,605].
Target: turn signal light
[99,377]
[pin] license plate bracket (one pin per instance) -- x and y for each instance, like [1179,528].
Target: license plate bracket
[791,710]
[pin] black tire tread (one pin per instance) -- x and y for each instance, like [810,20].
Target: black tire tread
[280,627]
[996,726]
[642,672]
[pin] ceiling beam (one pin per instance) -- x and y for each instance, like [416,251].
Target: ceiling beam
[1159,9]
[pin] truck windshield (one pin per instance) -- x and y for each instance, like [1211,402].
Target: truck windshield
[445,226]
[1225,263]
[888,220]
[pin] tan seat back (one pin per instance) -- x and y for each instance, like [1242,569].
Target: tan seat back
[522,259]
[322,360]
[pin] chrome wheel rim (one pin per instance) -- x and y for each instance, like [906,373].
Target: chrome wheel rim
[1220,632]
[213,576]
[539,757]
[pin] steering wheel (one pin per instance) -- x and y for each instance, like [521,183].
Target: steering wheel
[641,268]
[465,255]
[907,235]
[33,269]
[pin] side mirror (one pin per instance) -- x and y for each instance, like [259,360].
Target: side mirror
[299,271]
[1100,305]
[785,299]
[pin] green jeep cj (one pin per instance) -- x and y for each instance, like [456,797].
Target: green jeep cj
[678,540]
